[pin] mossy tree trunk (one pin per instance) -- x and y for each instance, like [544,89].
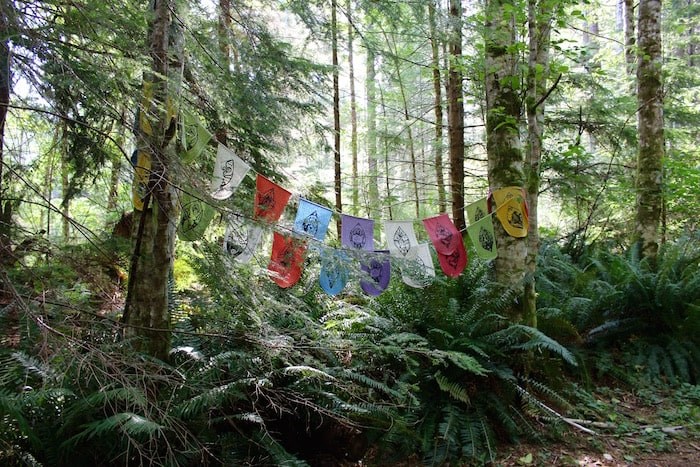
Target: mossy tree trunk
[455,117]
[147,311]
[504,152]
[650,127]
[539,32]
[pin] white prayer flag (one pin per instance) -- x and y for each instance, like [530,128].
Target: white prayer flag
[229,172]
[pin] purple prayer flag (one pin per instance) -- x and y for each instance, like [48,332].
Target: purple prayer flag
[378,267]
[357,233]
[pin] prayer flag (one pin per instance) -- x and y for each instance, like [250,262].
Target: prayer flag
[400,237]
[286,260]
[241,240]
[193,137]
[418,271]
[513,218]
[229,172]
[357,233]
[270,199]
[453,264]
[483,238]
[142,172]
[378,268]
[477,210]
[312,219]
[195,219]
[334,272]
[443,234]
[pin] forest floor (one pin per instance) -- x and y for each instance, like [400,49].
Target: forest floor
[645,427]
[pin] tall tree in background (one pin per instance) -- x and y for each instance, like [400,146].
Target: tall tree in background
[504,152]
[353,115]
[539,33]
[437,89]
[146,313]
[5,85]
[629,36]
[336,112]
[371,138]
[650,127]
[455,117]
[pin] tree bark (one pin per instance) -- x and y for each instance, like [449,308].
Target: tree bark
[336,113]
[147,312]
[539,27]
[650,127]
[505,156]
[372,166]
[455,118]
[437,88]
[5,85]
[353,117]
[629,36]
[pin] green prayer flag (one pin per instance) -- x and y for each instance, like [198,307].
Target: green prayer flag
[477,210]
[194,137]
[196,216]
[483,238]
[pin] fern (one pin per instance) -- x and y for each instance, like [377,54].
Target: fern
[455,390]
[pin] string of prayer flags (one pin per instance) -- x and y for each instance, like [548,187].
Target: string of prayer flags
[195,219]
[193,137]
[286,260]
[357,233]
[270,199]
[511,210]
[312,219]
[477,210]
[483,238]
[334,272]
[448,244]
[241,239]
[418,271]
[142,172]
[229,172]
[378,268]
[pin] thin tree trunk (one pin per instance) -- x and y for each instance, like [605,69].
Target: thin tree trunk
[117,166]
[629,36]
[336,113]
[372,168]
[147,312]
[5,85]
[353,117]
[505,157]
[456,118]
[650,127]
[386,155]
[539,25]
[437,88]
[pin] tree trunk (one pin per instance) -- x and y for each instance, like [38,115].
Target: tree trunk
[650,127]
[505,157]
[147,312]
[5,84]
[336,113]
[353,117]
[539,26]
[629,36]
[455,118]
[372,167]
[437,145]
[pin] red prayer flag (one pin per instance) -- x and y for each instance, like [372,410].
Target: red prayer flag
[270,199]
[448,243]
[286,260]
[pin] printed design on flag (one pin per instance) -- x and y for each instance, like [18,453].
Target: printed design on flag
[418,270]
[401,241]
[479,213]
[378,273]
[443,234]
[266,200]
[286,260]
[192,216]
[358,237]
[194,137]
[375,271]
[311,223]
[453,259]
[236,236]
[515,217]
[486,239]
[227,173]
[334,272]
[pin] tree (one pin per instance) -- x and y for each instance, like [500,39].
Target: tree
[146,313]
[650,127]
[437,89]
[505,155]
[455,117]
